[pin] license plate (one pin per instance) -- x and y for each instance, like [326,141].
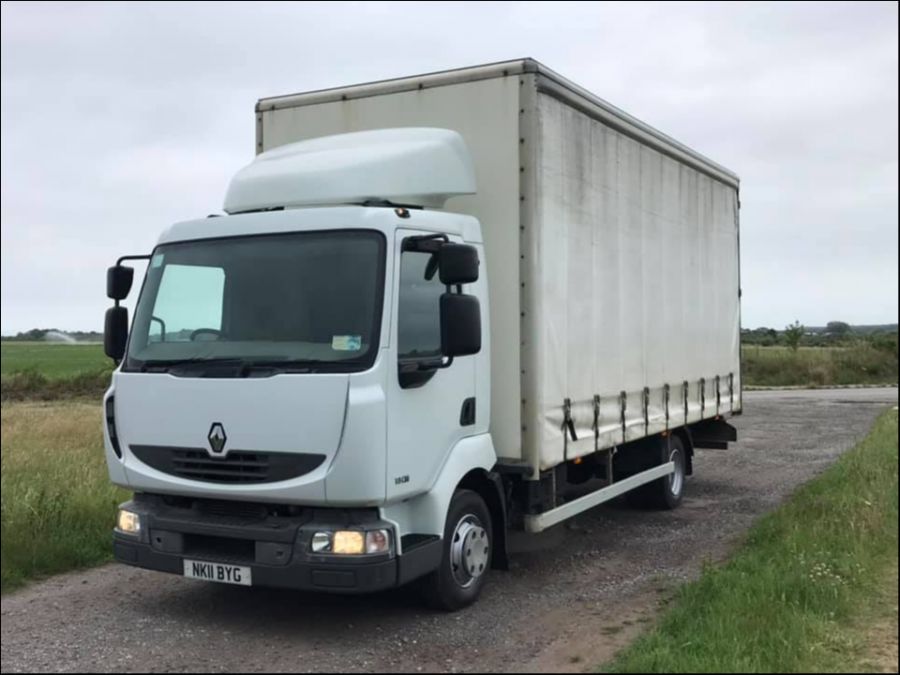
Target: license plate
[223,574]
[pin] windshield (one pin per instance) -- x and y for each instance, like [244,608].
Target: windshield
[311,298]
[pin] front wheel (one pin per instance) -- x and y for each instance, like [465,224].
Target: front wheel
[468,542]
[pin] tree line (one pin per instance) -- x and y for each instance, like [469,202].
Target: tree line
[41,335]
[833,334]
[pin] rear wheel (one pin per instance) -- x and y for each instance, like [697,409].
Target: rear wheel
[468,540]
[665,492]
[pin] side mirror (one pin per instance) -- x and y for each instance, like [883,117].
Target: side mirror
[458,264]
[118,281]
[460,325]
[115,332]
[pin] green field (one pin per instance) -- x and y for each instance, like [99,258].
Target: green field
[45,371]
[52,360]
[58,506]
[812,583]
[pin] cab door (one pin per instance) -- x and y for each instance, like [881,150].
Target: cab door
[429,408]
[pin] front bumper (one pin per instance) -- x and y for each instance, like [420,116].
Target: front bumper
[274,547]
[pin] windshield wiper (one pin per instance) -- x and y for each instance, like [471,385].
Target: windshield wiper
[164,365]
[299,365]
[244,366]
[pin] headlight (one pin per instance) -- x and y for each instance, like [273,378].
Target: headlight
[321,542]
[378,541]
[351,542]
[128,522]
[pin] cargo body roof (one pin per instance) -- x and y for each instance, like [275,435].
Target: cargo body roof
[548,81]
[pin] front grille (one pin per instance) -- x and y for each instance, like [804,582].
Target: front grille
[220,549]
[238,466]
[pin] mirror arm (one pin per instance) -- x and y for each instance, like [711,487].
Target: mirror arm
[425,366]
[146,256]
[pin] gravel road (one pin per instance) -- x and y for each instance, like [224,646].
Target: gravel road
[575,594]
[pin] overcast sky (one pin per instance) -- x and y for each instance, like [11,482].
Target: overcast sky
[120,119]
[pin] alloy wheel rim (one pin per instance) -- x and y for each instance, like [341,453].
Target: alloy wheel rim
[469,551]
[676,478]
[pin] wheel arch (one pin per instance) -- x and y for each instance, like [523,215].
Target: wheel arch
[489,486]
[427,513]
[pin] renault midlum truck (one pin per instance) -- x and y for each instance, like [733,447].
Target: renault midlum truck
[437,309]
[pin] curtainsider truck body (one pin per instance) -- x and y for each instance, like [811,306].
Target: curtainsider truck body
[439,308]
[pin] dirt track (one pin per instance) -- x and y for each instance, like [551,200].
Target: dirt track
[574,596]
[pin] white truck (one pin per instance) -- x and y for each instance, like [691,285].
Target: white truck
[439,308]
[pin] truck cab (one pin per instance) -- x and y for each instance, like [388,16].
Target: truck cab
[303,386]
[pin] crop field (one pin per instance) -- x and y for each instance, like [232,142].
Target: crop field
[44,371]
[52,360]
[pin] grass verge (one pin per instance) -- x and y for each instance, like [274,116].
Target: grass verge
[800,593]
[58,505]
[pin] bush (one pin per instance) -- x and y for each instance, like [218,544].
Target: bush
[860,363]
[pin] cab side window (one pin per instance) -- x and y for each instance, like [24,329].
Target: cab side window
[419,324]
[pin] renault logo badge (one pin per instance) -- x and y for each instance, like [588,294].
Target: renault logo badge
[217,437]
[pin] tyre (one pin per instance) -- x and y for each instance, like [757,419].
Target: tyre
[466,559]
[666,492]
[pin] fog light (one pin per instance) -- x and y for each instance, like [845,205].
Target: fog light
[349,542]
[128,522]
[321,542]
[378,541]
